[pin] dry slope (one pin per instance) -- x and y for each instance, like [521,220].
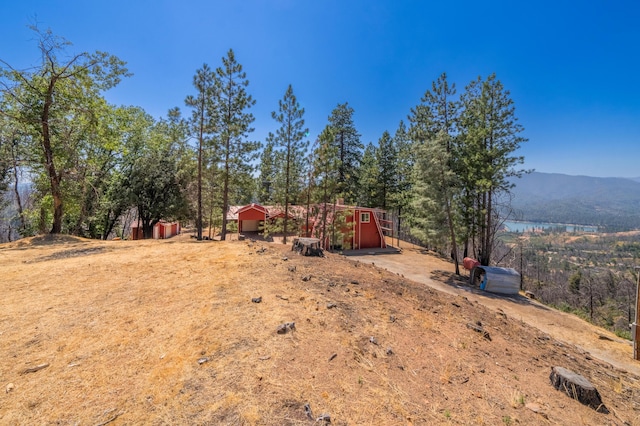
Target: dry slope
[165,332]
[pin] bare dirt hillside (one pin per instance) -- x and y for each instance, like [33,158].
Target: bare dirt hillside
[165,332]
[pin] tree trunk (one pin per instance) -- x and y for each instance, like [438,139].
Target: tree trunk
[54,177]
[225,190]
[23,225]
[286,193]
[200,143]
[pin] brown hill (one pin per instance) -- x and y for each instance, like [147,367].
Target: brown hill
[165,332]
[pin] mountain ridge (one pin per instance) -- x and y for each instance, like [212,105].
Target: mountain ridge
[611,203]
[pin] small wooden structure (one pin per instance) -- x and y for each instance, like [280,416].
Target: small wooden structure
[363,227]
[161,230]
[251,217]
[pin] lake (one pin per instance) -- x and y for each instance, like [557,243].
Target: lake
[516,226]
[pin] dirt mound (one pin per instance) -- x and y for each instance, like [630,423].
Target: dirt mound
[46,240]
[171,332]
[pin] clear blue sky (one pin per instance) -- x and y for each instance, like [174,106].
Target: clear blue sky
[572,67]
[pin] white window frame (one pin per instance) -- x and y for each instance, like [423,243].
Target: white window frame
[363,215]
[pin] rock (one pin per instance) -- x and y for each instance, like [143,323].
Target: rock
[285,258]
[536,409]
[356,282]
[241,237]
[10,387]
[389,351]
[325,418]
[257,299]
[306,278]
[530,294]
[332,357]
[373,340]
[577,387]
[331,305]
[291,268]
[286,327]
[479,329]
[203,360]
[307,410]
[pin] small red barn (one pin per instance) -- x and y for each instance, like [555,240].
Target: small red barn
[362,229]
[361,226]
[250,217]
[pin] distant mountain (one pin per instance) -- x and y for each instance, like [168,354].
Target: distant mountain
[613,203]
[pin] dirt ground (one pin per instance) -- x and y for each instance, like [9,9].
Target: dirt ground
[166,332]
[418,265]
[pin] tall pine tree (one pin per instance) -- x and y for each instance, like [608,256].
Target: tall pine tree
[347,140]
[326,172]
[434,121]
[233,127]
[489,137]
[289,141]
[202,125]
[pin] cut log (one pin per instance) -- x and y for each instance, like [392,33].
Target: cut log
[577,387]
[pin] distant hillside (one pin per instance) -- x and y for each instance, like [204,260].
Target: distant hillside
[613,203]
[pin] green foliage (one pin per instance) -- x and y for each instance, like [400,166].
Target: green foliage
[369,181]
[574,282]
[233,126]
[202,126]
[290,147]
[269,158]
[349,147]
[489,136]
[153,183]
[434,181]
[58,105]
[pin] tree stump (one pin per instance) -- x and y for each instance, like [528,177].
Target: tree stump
[577,387]
[307,246]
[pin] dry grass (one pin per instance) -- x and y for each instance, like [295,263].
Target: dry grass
[164,332]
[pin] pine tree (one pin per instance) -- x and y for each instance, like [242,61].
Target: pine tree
[405,158]
[233,126]
[288,140]
[489,137]
[434,121]
[434,180]
[201,124]
[386,157]
[369,184]
[267,178]
[347,140]
[326,171]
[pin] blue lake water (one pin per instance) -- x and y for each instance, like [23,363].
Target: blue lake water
[514,226]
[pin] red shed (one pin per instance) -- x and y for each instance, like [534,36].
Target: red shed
[362,230]
[250,217]
[161,230]
[362,224]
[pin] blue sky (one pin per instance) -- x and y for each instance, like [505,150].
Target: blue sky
[572,67]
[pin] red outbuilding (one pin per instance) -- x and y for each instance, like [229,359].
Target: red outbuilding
[361,227]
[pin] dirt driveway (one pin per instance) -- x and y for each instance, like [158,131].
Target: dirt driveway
[422,267]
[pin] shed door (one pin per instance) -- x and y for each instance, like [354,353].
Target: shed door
[250,225]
